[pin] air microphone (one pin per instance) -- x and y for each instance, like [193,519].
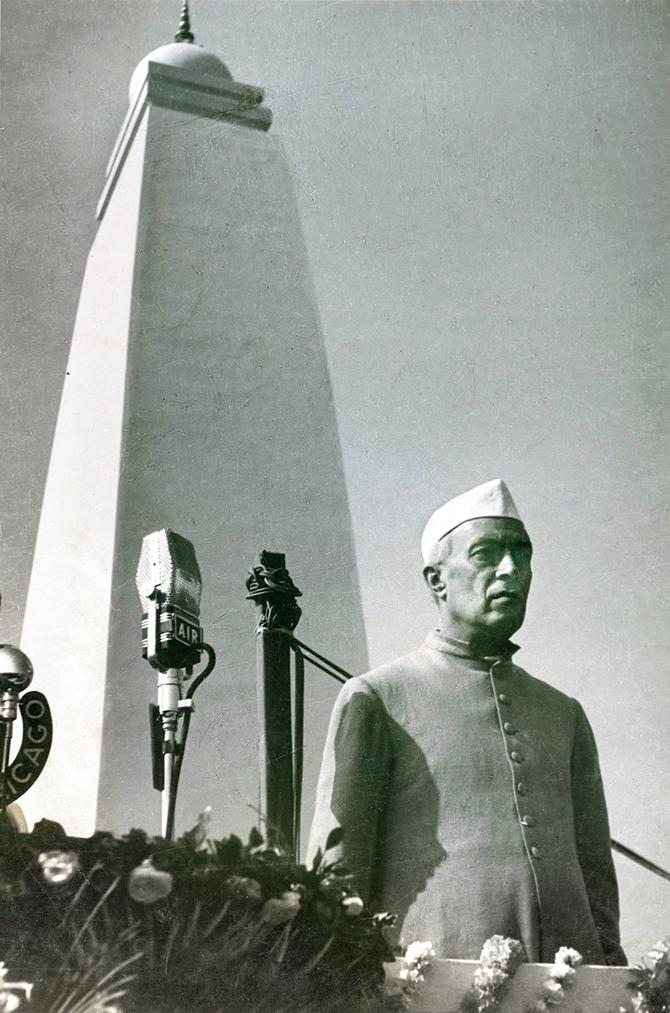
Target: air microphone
[169,585]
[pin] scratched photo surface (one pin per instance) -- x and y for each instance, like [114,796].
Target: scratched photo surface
[445,262]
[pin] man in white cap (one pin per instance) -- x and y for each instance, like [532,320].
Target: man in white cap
[468,792]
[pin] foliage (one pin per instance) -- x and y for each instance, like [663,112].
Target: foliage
[651,981]
[139,925]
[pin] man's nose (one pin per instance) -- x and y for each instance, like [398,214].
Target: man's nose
[507,567]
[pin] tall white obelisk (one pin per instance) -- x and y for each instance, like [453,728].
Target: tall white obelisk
[196,397]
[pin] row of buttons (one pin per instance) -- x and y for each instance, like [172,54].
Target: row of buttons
[500,669]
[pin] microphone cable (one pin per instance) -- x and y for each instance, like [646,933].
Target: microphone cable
[186,721]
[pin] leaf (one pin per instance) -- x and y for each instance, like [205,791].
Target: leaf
[334,838]
[255,838]
[229,850]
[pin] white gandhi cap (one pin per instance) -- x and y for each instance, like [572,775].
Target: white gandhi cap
[492,499]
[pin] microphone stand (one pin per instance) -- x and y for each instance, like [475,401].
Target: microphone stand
[169,696]
[5,740]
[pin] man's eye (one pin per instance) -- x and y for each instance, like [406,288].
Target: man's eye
[482,553]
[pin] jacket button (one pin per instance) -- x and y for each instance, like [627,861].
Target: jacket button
[536,853]
[528,821]
[521,788]
[503,698]
[517,757]
[509,728]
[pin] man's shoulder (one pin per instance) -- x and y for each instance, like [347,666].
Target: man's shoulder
[396,672]
[545,692]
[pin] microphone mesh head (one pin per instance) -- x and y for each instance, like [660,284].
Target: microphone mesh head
[16,668]
[168,565]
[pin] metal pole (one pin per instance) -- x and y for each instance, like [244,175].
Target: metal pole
[275,761]
[270,587]
[298,745]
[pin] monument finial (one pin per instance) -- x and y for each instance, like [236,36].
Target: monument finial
[184,33]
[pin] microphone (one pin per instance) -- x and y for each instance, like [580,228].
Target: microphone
[16,674]
[170,586]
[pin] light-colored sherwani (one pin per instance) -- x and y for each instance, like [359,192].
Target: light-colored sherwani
[471,803]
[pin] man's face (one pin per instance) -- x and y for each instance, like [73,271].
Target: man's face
[485,567]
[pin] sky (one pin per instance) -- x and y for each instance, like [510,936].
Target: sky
[483,194]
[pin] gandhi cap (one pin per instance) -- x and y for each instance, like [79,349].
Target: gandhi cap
[492,499]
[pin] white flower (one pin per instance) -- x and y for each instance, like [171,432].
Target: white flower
[8,1001]
[410,974]
[58,866]
[353,906]
[487,978]
[566,955]
[562,972]
[419,953]
[660,950]
[278,910]
[499,951]
[147,884]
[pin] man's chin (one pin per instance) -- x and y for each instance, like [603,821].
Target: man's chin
[503,624]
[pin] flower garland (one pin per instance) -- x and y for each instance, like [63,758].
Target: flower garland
[561,974]
[498,963]
[651,981]
[109,925]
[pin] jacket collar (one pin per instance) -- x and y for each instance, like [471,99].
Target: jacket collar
[437,641]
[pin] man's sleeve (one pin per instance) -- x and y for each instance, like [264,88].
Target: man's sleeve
[593,839]
[353,783]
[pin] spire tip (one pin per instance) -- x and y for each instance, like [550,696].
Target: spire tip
[184,33]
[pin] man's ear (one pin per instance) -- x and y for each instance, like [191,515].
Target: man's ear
[435,583]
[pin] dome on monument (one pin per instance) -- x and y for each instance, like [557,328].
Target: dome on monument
[184,55]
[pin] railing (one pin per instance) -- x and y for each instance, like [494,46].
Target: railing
[281,705]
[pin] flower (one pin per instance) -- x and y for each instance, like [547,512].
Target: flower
[562,972]
[8,1001]
[498,962]
[659,951]
[147,884]
[501,952]
[419,953]
[487,978]
[566,955]
[58,866]
[278,910]
[353,906]
[245,888]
